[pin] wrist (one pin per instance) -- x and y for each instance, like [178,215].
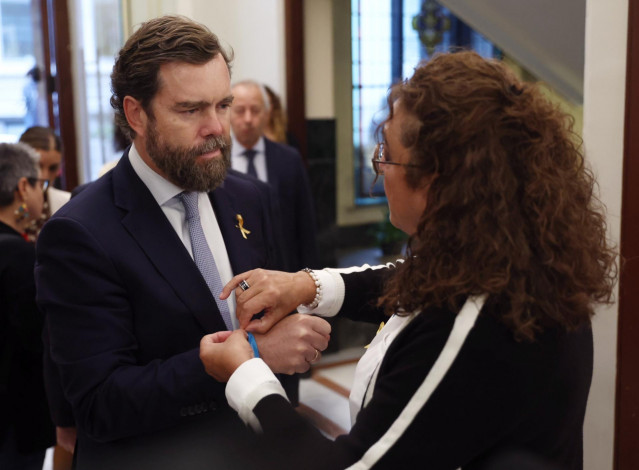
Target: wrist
[316,289]
[302,288]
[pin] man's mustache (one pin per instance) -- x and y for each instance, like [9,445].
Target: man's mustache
[214,143]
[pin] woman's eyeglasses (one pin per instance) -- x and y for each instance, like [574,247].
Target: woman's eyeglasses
[44,184]
[379,159]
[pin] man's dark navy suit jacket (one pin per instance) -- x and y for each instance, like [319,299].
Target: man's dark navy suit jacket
[126,308]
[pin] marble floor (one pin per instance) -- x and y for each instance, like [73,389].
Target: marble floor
[324,395]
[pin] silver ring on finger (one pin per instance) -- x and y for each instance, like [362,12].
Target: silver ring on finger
[244,285]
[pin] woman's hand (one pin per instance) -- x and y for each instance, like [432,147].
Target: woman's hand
[274,293]
[223,352]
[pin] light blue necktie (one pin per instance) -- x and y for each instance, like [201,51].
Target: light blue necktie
[202,254]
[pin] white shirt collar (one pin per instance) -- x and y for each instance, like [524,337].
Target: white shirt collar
[161,188]
[239,149]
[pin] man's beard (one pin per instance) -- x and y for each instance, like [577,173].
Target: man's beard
[180,164]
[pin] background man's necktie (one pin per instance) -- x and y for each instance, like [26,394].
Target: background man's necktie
[203,256]
[250,156]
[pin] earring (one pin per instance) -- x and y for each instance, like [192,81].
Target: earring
[21,212]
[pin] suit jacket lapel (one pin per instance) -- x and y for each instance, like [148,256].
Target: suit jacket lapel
[238,248]
[148,225]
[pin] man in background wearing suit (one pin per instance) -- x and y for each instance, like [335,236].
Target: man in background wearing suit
[129,272]
[279,165]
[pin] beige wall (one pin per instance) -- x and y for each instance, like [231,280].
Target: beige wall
[255,31]
[604,104]
[347,212]
[319,59]
[253,28]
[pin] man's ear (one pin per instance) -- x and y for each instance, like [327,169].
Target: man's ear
[135,115]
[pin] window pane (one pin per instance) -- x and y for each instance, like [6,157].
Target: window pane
[386,44]
[101,32]
[371,33]
[22,101]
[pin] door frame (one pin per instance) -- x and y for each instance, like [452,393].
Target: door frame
[57,53]
[626,453]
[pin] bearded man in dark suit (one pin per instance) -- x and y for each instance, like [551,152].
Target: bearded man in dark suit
[130,271]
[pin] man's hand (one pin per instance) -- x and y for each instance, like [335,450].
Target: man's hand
[274,293]
[294,343]
[223,352]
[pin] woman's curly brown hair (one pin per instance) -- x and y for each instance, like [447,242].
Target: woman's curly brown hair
[511,210]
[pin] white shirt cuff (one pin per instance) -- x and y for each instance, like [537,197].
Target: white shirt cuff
[251,382]
[332,294]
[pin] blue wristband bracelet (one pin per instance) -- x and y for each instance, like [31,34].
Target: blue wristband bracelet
[253,343]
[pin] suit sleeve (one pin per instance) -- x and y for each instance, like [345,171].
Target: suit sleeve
[60,408]
[494,386]
[363,286]
[352,292]
[93,342]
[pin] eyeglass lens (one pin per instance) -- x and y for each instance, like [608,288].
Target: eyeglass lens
[378,158]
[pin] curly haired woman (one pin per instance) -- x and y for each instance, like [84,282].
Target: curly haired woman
[488,349]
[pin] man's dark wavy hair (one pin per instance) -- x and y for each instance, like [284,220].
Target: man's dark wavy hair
[511,206]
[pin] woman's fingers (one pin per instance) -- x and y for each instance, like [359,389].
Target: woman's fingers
[233,284]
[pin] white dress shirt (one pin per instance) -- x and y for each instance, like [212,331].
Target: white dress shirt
[253,380]
[239,161]
[57,198]
[165,194]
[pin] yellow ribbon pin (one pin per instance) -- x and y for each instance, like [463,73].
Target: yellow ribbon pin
[240,225]
[381,325]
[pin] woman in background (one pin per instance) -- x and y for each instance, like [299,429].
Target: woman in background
[26,430]
[276,124]
[45,141]
[488,348]
[48,145]
[276,128]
